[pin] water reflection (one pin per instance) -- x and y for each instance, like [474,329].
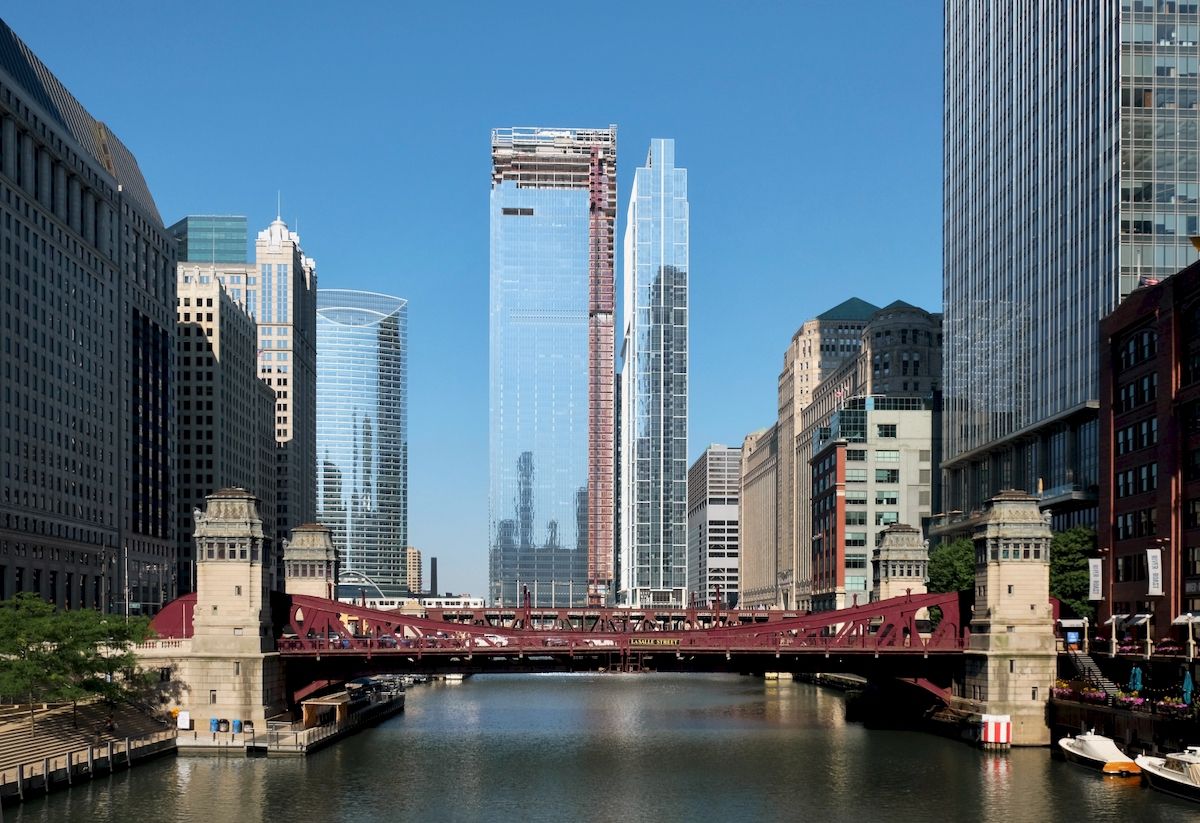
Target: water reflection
[634,747]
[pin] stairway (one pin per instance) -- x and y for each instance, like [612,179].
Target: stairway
[59,729]
[1089,671]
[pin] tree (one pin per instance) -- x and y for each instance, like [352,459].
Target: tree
[29,668]
[97,653]
[952,566]
[57,656]
[1069,552]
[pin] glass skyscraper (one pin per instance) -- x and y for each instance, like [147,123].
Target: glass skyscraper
[654,385]
[553,202]
[211,238]
[1070,177]
[362,433]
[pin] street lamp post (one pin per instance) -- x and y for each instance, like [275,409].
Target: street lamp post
[125,549]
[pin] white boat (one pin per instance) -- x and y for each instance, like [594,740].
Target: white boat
[1098,752]
[1177,774]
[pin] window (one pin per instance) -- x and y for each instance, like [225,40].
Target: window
[884,498]
[885,430]
[886,518]
[887,475]
[1191,466]
[855,455]
[1191,566]
[887,456]
[1131,568]
[856,475]
[212,696]
[1191,513]
[1143,523]
[856,538]
[856,498]
[856,518]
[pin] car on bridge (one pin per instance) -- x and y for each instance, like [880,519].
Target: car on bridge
[491,640]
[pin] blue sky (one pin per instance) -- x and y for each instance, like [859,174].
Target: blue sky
[811,133]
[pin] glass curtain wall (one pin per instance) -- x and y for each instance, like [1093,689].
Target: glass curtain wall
[553,202]
[654,384]
[1070,157]
[539,394]
[362,432]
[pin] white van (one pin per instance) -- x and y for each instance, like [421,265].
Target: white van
[491,640]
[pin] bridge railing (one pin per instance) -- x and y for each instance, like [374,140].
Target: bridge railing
[543,643]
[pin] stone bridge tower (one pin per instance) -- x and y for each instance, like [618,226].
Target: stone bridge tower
[233,671]
[310,562]
[1011,661]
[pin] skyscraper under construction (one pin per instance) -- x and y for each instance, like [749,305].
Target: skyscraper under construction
[551,452]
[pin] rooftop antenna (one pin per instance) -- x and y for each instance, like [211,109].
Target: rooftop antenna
[278,204]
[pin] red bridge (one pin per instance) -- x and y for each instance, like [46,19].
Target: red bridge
[325,642]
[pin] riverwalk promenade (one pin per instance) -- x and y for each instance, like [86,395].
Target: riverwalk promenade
[67,744]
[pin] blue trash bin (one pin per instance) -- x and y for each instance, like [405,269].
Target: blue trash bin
[237,727]
[213,723]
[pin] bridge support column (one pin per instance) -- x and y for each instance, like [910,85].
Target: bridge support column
[1011,662]
[228,669]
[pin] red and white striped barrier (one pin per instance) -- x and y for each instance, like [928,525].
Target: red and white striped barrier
[996,731]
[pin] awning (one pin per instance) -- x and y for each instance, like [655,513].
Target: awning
[1185,618]
[1139,620]
[1116,618]
[1072,623]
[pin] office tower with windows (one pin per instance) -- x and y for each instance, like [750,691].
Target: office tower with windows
[553,207]
[362,435]
[871,467]
[1150,460]
[211,238]
[412,560]
[87,336]
[821,346]
[1070,176]
[281,294]
[713,525]
[654,385]
[224,412]
[776,460]
[899,359]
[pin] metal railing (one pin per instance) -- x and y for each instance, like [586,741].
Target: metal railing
[80,762]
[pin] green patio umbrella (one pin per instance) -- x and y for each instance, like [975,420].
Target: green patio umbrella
[1135,679]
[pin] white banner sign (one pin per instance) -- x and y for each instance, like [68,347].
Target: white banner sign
[1154,571]
[1095,581]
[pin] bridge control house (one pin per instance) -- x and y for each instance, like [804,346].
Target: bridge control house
[226,665]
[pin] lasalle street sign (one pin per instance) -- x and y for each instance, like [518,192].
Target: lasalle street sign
[654,641]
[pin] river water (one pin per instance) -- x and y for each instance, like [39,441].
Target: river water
[617,747]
